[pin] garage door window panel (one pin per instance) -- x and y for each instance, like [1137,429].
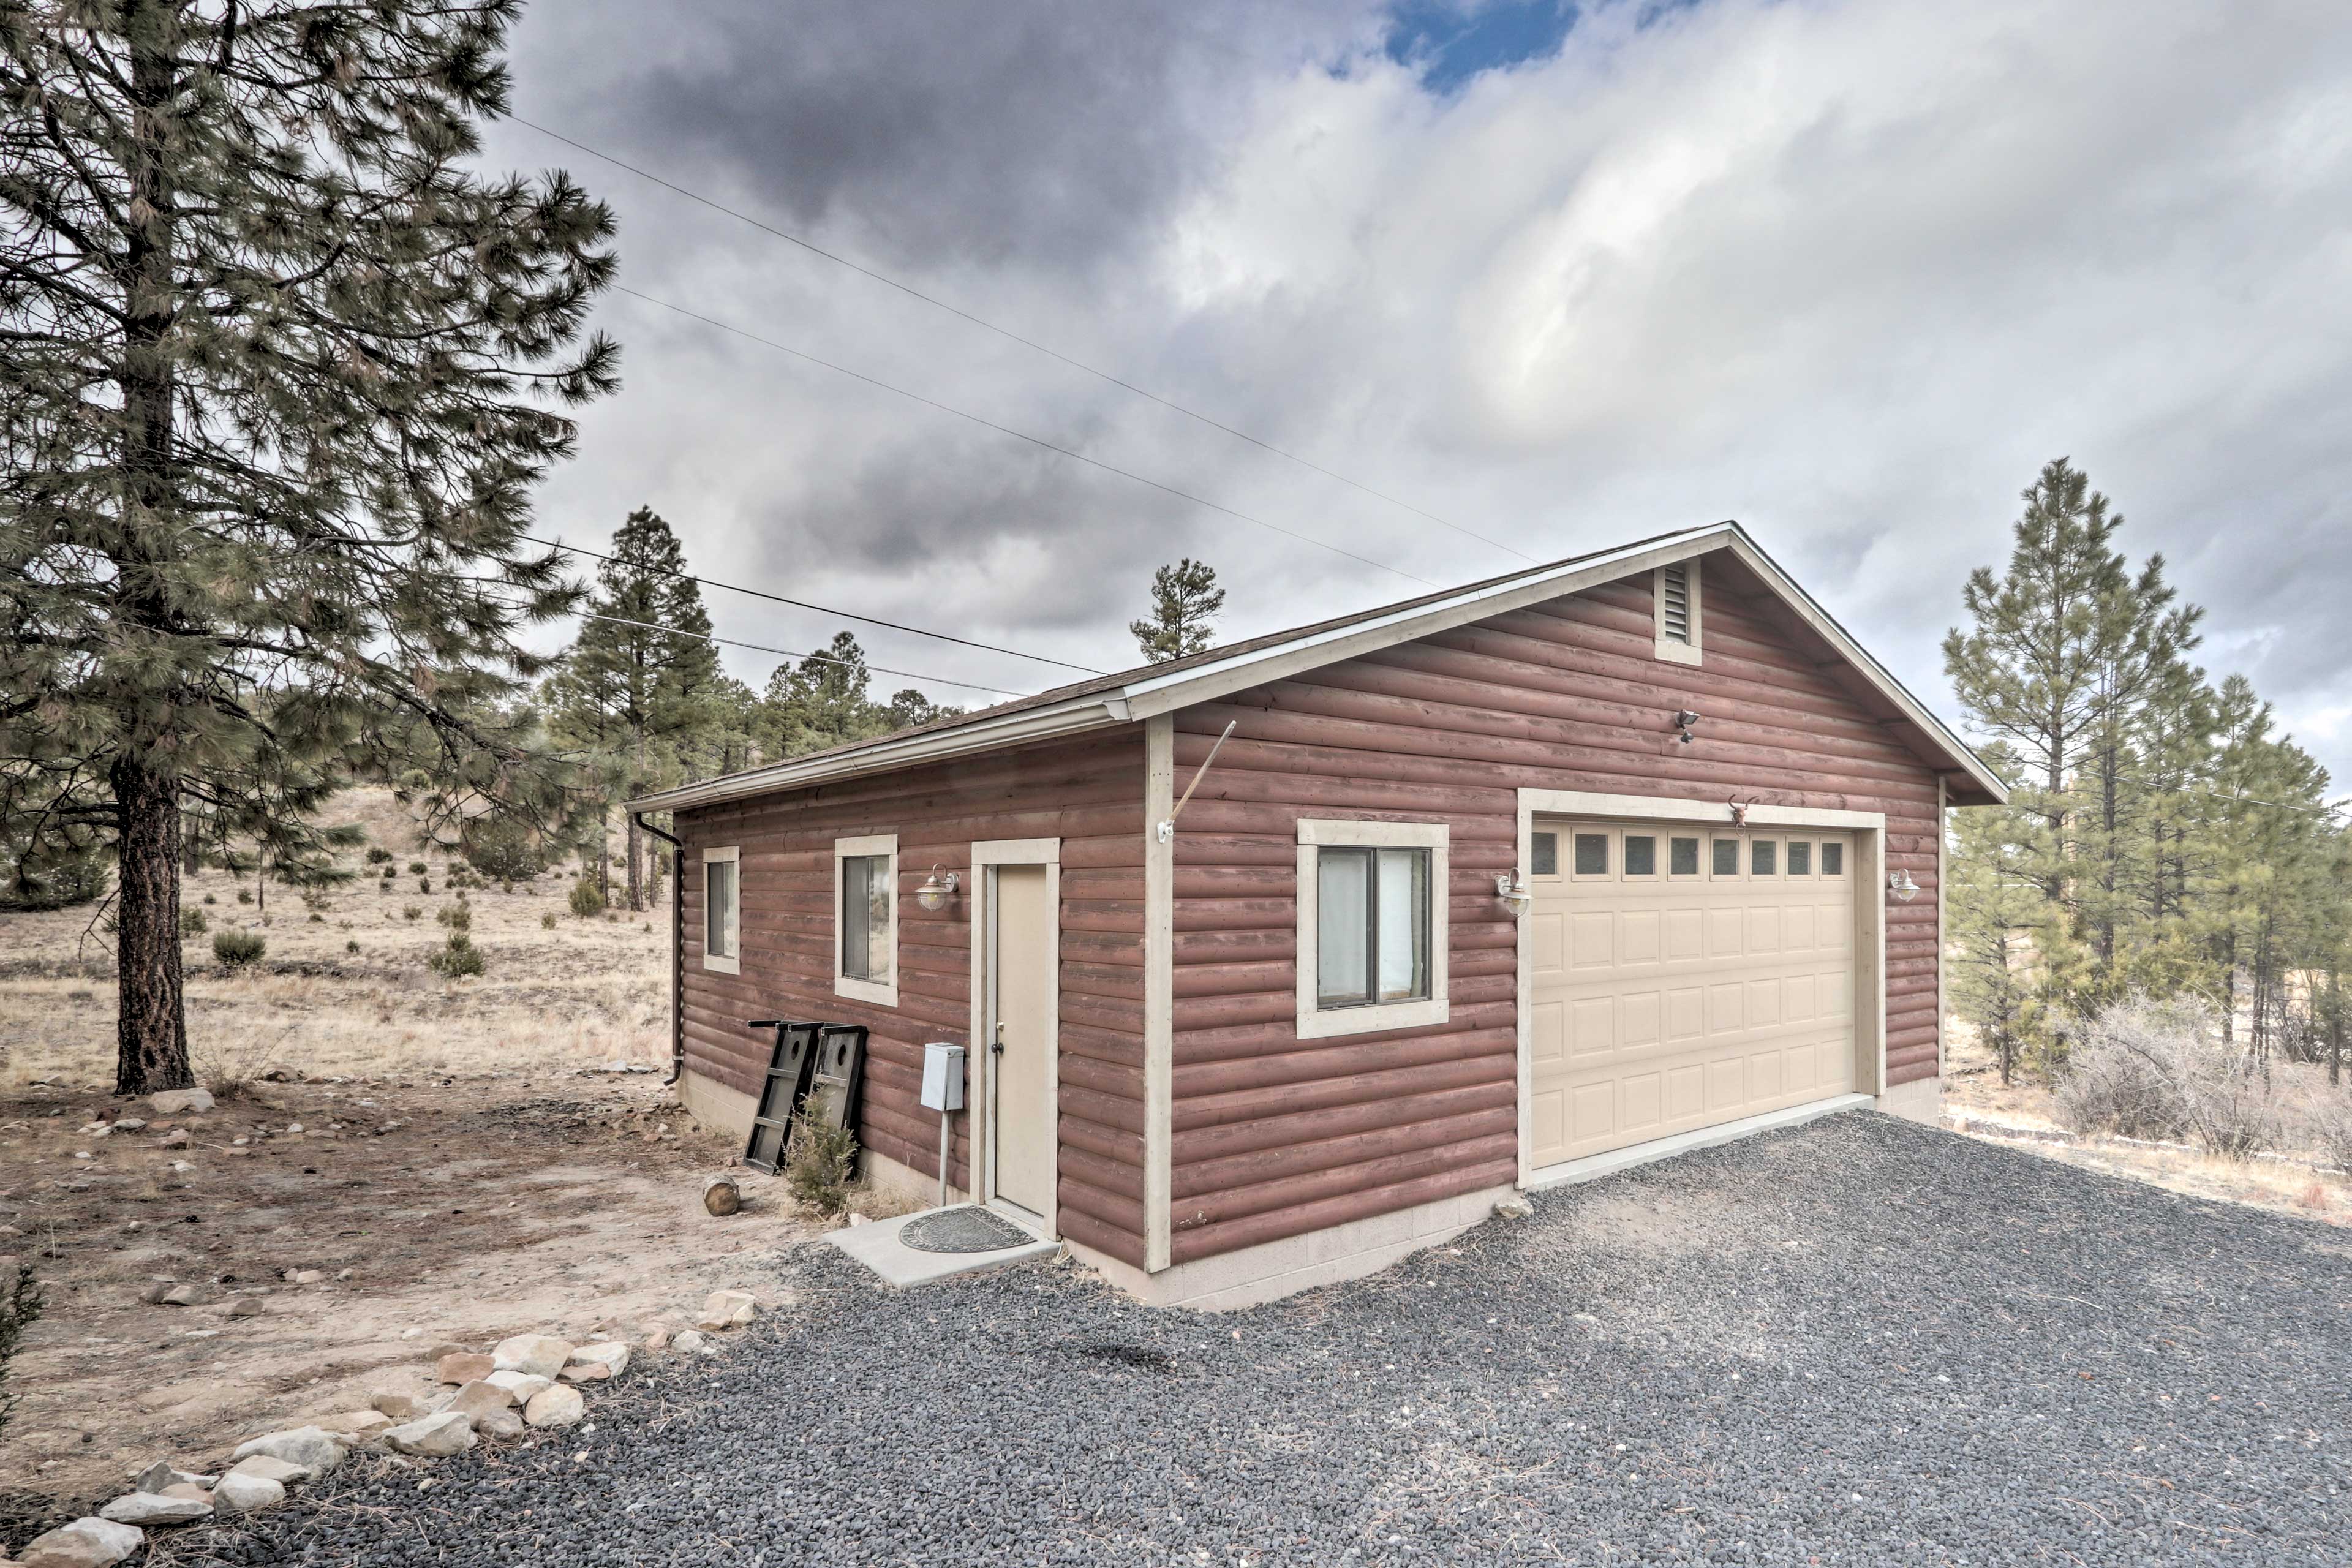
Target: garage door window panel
[1682,857]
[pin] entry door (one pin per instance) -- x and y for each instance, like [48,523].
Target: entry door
[1682,975]
[1021,1003]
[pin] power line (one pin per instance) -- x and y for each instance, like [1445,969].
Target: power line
[1019,434]
[804,604]
[957,310]
[788,653]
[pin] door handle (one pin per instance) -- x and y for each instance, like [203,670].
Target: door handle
[996,1046]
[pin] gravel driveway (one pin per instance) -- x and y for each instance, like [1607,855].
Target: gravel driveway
[1858,1341]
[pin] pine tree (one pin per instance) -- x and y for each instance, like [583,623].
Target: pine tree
[642,674]
[278,372]
[1185,599]
[2002,931]
[823,702]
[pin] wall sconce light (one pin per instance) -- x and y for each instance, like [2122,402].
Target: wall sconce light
[936,889]
[1684,720]
[1901,887]
[1513,892]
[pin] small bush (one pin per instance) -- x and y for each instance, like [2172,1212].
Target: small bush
[378,854]
[315,900]
[20,1308]
[417,867]
[586,902]
[237,949]
[194,924]
[820,1164]
[2160,1069]
[547,922]
[245,895]
[424,884]
[2329,1135]
[459,916]
[412,911]
[461,957]
[210,899]
[351,946]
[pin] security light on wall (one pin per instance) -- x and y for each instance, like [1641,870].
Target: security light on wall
[1901,887]
[1513,892]
[1684,720]
[936,890]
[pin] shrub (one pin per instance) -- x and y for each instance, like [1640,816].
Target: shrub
[194,924]
[2158,1069]
[820,1163]
[412,911]
[459,916]
[378,854]
[459,958]
[547,922]
[245,895]
[424,884]
[76,879]
[236,948]
[417,867]
[20,1308]
[210,899]
[2329,1135]
[351,946]
[586,902]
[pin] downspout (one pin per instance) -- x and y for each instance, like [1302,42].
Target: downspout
[677,948]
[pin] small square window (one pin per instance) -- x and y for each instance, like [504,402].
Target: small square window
[1372,919]
[1801,857]
[1641,854]
[1592,854]
[1543,854]
[1726,856]
[1832,859]
[1682,857]
[1762,856]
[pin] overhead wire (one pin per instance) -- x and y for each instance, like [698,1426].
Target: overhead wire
[935,301]
[1040,441]
[788,653]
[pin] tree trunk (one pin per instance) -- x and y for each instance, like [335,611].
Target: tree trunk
[636,883]
[151,1031]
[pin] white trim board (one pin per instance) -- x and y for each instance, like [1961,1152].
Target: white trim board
[879,993]
[1594,1166]
[987,853]
[1158,992]
[1869,873]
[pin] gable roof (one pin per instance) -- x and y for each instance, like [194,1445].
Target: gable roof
[1125,696]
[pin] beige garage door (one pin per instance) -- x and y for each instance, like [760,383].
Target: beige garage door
[1682,976]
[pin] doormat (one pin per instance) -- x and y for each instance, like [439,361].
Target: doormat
[964,1229]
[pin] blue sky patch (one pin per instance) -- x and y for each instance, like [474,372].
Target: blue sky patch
[1451,42]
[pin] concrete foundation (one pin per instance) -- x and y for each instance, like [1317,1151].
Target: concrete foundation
[1920,1100]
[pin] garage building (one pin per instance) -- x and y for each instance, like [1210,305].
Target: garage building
[1493,888]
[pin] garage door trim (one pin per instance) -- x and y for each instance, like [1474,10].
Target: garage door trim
[1869,828]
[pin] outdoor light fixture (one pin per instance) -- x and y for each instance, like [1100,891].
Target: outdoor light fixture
[1513,892]
[936,890]
[1901,887]
[1684,720]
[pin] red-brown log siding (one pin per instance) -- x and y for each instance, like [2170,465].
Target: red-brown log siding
[1089,795]
[1275,1137]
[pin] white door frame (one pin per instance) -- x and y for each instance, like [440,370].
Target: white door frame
[1869,828]
[986,855]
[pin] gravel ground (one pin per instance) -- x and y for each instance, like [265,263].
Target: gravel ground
[1859,1341]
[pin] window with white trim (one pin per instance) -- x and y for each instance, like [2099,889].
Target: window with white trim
[722,910]
[1371,926]
[1678,607]
[866,919]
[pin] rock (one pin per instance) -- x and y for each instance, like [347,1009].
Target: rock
[464,1367]
[658,1340]
[401,1406]
[689,1341]
[306,1276]
[478,1397]
[155,1508]
[180,1102]
[555,1406]
[507,1424]
[727,1309]
[130,1124]
[1514,1208]
[435,1437]
[266,1469]
[84,1543]
[316,1451]
[156,1476]
[521,1384]
[613,1353]
[177,1138]
[189,1492]
[856,1219]
[357,1427]
[245,1493]
[587,1371]
[184,1296]
[542,1355]
[246,1307]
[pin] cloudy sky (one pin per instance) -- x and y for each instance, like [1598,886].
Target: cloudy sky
[1849,272]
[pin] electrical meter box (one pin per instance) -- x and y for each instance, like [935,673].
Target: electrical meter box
[942,1076]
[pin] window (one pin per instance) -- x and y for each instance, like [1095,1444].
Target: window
[1592,854]
[1677,595]
[1371,926]
[1543,855]
[1832,859]
[1641,854]
[866,919]
[722,912]
[1726,856]
[1801,857]
[1761,854]
[1682,857]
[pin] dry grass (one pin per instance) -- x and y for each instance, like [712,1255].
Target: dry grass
[586,991]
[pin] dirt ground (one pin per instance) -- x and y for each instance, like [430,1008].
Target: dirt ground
[454,1158]
[1973,1088]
